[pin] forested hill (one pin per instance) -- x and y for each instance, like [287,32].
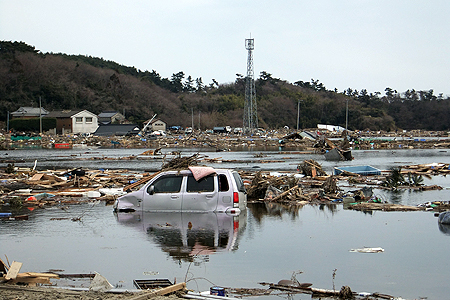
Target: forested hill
[82,82]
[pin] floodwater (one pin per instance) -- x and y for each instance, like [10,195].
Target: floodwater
[264,244]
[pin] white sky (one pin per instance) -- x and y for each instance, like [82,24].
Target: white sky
[343,43]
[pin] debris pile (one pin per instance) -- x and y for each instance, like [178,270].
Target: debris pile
[179,162]
[311,168]
[313,185]
[10,274]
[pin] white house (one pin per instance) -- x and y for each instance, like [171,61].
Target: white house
[156,125]
[74,121]
[84,122]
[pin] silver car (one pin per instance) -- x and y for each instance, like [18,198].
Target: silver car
[221,191]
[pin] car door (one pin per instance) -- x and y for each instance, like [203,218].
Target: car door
[200,195]
[164,194]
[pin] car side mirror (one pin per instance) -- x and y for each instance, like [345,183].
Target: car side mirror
[151,189]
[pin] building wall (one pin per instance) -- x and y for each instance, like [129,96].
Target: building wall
[84,122]
[159,125]
[63,126]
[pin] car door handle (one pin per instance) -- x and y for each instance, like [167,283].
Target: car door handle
[174,197]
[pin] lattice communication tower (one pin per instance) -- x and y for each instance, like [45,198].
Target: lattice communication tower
[250,112]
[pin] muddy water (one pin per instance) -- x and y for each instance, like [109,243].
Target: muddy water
[264,245]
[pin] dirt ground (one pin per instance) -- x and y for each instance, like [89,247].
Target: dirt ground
[14,292]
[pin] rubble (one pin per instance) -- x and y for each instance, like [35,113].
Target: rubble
[304,140]
[14,283]
[344,293]
[27,187]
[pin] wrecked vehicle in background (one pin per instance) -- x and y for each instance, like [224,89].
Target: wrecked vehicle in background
[196,189]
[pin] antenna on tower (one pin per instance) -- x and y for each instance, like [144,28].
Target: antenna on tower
[250,112]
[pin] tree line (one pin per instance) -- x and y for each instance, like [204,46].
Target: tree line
[84,82]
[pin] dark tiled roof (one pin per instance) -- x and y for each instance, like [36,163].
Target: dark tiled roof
[107,114]
[29,111]
[62,113]
[117,129]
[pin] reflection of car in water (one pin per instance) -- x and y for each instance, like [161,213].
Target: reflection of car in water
[184,234]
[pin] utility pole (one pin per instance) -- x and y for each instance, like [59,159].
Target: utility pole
[250,111]
[40,116]
[346,115]
[192,116]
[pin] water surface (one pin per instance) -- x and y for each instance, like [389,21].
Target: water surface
[265,244]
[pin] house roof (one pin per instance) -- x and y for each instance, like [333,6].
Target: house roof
[63,113]
[67,113]
[29,111]
[108,114]
[154,121]
[117,129]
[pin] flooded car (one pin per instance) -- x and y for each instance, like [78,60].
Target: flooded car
[197,189]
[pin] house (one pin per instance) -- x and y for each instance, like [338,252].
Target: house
[74,121]
[156,125]
[111,117]
[117,130]
[29,112]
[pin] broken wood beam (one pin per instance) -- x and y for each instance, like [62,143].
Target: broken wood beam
[139,182]
[160,292]
[13,270]
[297,289]
[284,193]
[34,274]
[31,281]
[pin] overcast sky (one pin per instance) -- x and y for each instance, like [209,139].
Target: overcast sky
[360,44]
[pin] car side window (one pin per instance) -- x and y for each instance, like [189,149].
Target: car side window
[223,183]
[167,184]
[206,184]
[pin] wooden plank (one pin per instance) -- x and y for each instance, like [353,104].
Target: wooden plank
[313,172]
[160,292]
[13,270]
[284,193]
[37,177]
[32,281]
[34,274]
[141,181]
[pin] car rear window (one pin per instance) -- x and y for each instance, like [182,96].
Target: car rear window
[168,184]
[206,184]
[239,182]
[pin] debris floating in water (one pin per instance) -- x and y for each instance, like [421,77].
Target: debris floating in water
[368,250]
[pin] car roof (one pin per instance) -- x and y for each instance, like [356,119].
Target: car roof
[187,171]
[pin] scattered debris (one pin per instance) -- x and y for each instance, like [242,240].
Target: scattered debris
[100,284]
[368,206]
[368,250]
[10,274]
[344,293]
